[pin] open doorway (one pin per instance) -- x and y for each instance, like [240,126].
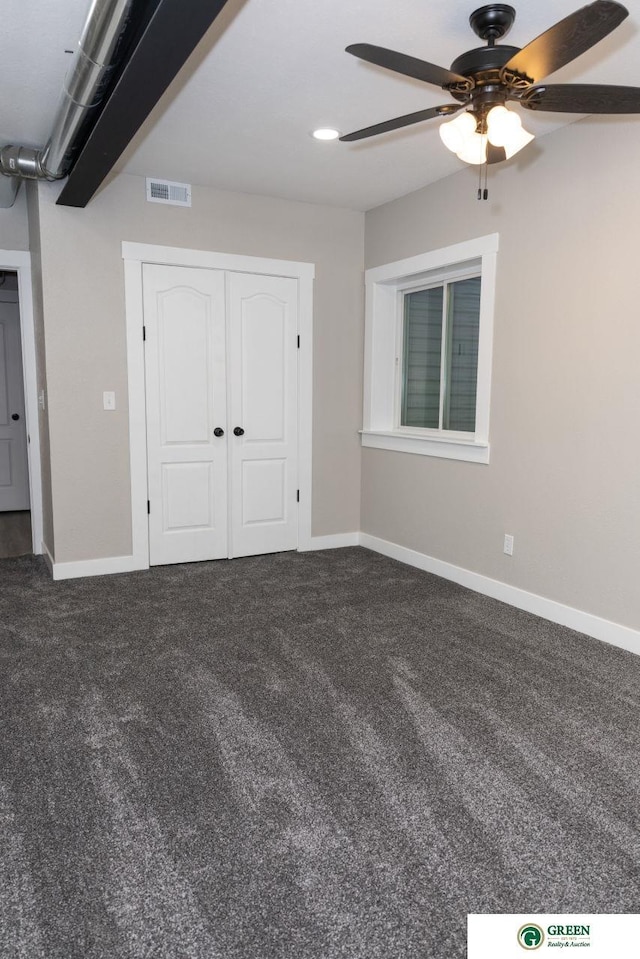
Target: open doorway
[15,502]
[15,269]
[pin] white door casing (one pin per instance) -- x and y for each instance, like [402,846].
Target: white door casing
[14,468]
[184,312]
[135,257]
[262,383]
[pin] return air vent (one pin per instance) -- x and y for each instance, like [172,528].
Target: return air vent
[167,191]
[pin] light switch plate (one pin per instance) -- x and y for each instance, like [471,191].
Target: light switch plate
[109,400]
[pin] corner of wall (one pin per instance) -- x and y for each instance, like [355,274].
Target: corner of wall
[33,218]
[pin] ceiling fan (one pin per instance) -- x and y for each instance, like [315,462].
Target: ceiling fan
[483,80]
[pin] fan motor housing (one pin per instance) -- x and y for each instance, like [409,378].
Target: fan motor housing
[475,63]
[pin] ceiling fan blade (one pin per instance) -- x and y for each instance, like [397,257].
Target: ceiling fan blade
[566,40]
[445,111]
[409,66]
[582,98]
[495,154]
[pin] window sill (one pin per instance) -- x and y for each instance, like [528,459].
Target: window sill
[472,451]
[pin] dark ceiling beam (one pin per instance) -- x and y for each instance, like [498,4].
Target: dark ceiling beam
[172,33]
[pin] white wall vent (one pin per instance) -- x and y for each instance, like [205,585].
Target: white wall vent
[167,191]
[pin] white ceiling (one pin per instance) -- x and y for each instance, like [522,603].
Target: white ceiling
[239,115]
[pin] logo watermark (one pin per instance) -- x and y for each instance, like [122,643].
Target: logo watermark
[530,936]
[510,936]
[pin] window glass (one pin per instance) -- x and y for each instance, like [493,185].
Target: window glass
[462,355]
[422,358]
[440,356]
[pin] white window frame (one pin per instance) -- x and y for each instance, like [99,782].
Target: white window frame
[385,289]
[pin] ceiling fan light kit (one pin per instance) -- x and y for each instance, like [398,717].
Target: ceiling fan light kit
[468,137]
[483,80]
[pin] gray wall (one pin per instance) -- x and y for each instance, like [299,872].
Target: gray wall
[564,476]
[14,228]
[83,295]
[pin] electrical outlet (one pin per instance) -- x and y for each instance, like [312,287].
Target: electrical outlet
[508,544]
[109,400]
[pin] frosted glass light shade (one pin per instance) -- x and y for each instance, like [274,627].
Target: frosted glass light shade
[454,133]
[517,142]
[474,149]
[504,129]
[500,125]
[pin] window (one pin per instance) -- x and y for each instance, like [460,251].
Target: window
[428,345]
[440,356]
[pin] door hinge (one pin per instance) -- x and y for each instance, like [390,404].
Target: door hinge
[144,332]
[298,342]
[297,496]
[148,506]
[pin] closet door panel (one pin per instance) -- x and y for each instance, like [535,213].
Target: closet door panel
[185,366]
[263,323]
[14,469]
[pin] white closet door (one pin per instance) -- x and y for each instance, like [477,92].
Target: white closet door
[14,469]
[263,325]
[184,316]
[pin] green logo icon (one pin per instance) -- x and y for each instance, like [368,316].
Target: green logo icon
[530,936]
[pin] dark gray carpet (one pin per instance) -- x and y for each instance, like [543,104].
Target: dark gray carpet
[15,533]
[303,755]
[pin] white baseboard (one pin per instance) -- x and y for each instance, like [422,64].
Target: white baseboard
[604,629]
[95,567]
[48,558]
[127,564]
[336,541]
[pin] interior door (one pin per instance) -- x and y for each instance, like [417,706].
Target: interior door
[184,317]
[14,468]
[263,421]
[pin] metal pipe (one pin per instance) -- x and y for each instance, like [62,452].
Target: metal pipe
[98,53]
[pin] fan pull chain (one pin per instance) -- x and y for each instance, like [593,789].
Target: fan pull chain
[483,194]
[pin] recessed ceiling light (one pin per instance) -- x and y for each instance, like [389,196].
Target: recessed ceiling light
[326,133]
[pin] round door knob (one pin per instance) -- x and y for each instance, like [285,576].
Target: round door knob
[15,416]
[238,431]
[218,431]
